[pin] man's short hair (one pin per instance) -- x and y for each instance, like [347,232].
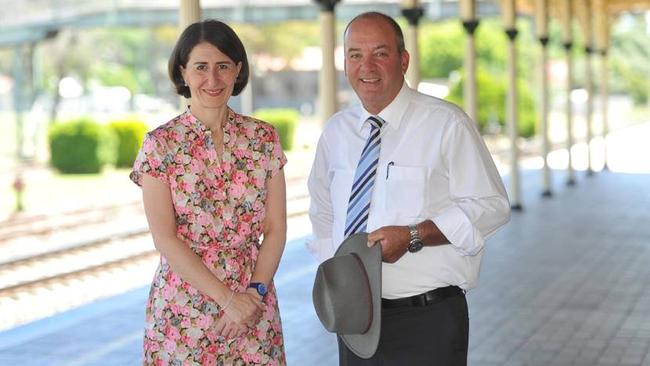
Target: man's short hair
[399,36]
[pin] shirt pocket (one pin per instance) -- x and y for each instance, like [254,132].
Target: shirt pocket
[406,191]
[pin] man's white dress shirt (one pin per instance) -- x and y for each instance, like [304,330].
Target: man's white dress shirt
[433,165]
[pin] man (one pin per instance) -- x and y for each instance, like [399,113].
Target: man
[414,172]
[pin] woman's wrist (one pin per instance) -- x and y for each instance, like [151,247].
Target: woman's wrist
[228,300]
[254,292]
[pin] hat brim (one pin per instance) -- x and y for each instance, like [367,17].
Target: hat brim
[365,345]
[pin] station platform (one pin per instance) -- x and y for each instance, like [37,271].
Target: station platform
[564,283]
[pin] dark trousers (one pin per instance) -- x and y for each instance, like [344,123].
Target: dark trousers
[435,334]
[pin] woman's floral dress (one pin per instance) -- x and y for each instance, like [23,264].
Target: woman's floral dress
[219,209]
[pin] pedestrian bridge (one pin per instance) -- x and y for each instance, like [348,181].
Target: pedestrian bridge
[33,20]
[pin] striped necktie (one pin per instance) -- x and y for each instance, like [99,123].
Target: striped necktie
[364,181]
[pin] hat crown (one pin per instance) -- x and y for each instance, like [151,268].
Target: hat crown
[343,306]
[347,294]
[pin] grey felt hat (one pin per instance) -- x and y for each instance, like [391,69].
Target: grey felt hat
[347,294]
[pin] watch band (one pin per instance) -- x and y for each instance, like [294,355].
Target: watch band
[415,244]
[414,232]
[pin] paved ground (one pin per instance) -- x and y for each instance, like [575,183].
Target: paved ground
[565,283]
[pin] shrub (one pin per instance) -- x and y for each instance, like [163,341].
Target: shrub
[81,146]
[285,121]
[130,134]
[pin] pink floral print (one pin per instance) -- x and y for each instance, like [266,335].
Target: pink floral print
[219,207]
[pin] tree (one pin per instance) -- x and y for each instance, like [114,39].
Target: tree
[68,54]
[441,49]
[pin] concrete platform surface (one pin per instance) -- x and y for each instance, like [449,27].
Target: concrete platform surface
[564,283]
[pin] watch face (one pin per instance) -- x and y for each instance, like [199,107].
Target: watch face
[415,246]
[261,289]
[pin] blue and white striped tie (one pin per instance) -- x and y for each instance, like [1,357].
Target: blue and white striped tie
[364,181]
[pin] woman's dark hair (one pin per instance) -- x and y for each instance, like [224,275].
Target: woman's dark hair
[216,33]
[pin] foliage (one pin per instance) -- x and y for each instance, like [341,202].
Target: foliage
[285,40]
[629,61]
[285,121]
[442,47]
[130,134]
[492,103]
[441,50]
[125,52]
[81,146]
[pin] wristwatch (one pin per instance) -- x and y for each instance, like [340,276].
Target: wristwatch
[259,287]
[415,244]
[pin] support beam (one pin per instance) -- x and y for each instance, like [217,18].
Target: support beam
[566,18]
[327,85]
[413,12]
[470,23]
[541,24]
[589,51]
[602,35]
[508,13]
[604,96]
[589,81]
[189,12]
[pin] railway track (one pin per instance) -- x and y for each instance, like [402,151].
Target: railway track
[117,253]
[42,225]
[64,264]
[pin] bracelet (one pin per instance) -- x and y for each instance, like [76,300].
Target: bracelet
[232,294]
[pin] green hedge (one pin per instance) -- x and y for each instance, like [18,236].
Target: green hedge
[81,146]
[285,121]
[130,134]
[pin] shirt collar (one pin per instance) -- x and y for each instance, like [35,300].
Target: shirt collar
[188,119]
[393,112]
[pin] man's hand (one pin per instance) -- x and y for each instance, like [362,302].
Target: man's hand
[394,241]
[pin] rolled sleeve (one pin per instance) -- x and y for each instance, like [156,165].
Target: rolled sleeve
[479,202]
[460,231]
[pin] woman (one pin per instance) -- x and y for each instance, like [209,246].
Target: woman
[213,184]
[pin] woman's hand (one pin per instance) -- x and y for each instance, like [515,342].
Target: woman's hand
[245,308]
[243,311]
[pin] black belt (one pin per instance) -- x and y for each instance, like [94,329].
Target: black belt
[424,299]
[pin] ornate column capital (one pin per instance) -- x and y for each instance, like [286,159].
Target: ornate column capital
[413,15]
[470,26]
[327,5]
[543,41]
[512,33]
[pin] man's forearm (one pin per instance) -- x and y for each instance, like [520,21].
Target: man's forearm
[430,234]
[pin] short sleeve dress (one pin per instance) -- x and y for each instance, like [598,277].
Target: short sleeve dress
[219,204]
